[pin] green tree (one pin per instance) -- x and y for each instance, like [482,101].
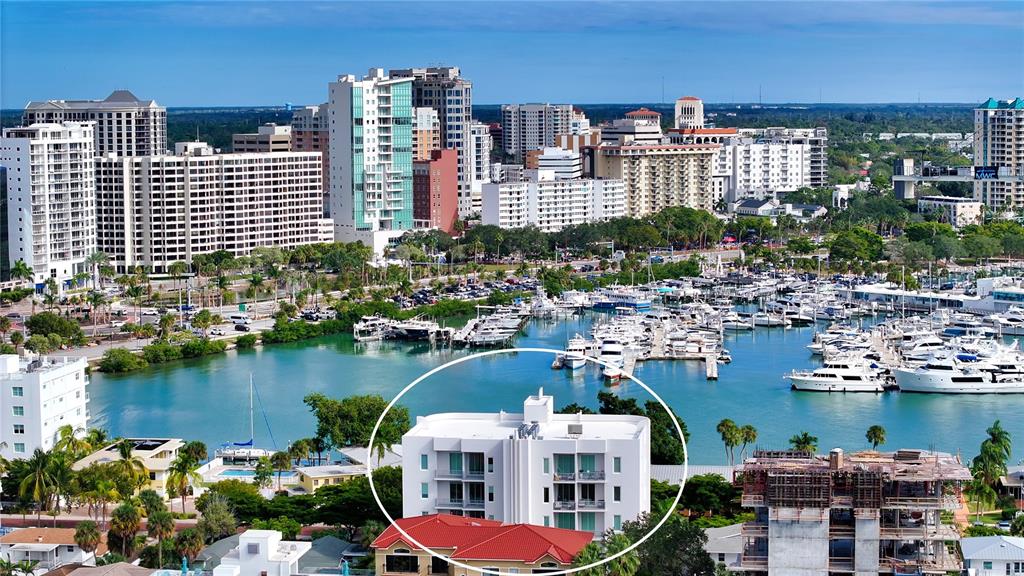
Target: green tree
[87,536]
[129,468]
[349,421]
[217,520]
[182,474]
[875,435]
[804,442]
[160,525]
[37,484]
[731,437]
[124,522]
[281,461]
[188,543]
[21,271]
[676,548]
[264,473]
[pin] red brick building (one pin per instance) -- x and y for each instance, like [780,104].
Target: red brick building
[435,190]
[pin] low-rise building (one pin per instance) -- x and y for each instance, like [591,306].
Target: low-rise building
[267,138]
[725,544]
[262,552]
[49,548]
[37,397]
[993,555]
[549,203]
[957,212]
[588,472]
[156,455]
[489,545]
[312,478]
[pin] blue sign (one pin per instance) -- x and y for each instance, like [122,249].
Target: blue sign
[986,172]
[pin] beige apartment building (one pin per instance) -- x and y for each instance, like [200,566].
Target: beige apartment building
[657,176]
[267,138]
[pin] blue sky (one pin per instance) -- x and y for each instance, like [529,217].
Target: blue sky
[257,53]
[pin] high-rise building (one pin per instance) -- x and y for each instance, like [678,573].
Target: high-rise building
[999,143]
[526,127]
[426,133]
[371,158]
[550,203]
[125,125]
[267,138]
[157,210]
[435,190]
[658,176]
[689,112]
[445,90]
[37,397]
[641,126]
[310,134]
[51,197]
[589,472]
[483,143]
[864,514]
[816,138]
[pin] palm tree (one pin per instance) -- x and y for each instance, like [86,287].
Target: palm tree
[804,442]
[96,261]
[21,271]
[730,434]
[999,439]
[26,567]
[748,435]
[5,327]
[625,565]
[299,450]
[38,482]
[369,532]
[63,477]
[87,536]
[160,526]
[875,435]
[96,302]
[165,326]
[590,554]
[124,522]
[72,441]
[182,474]
[96,437]
[281,461]
[105,492]
[129,466]
[188,543]
[134,292]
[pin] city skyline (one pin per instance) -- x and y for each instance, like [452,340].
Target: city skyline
[249,54]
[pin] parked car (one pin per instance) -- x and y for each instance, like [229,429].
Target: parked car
[219,332]
[117,323]
[242,328]
[1003,525]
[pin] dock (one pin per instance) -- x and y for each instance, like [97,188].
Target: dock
[711,367]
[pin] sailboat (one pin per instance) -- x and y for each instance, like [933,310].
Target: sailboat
[244,452]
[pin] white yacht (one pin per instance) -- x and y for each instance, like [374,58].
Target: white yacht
[769,320]
[1010,322]
[948,375]
[733,321]
[612,356]
[839,375]
[415,329]
[370,328]
[575,353]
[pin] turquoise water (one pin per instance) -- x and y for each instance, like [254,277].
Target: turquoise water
[208,399]
[250,473]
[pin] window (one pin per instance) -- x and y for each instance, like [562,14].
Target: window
[721,557]
[617,522]
[547,520]
[547,463]
[617,465]
[490,493]
[617,494]
[17,391]
[423,461]
[987,565]
[19,428]
[424,490]
[490,465]
[18,410]
[547,495]
[70,548]
[19,447]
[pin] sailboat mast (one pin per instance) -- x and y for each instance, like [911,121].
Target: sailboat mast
[252,429]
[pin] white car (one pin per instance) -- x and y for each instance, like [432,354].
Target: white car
[117,323]
[216,332]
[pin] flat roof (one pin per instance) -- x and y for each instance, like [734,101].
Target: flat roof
[467,425]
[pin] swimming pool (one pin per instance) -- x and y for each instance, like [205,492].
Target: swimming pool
[237,473]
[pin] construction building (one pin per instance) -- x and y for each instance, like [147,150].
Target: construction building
[857,514]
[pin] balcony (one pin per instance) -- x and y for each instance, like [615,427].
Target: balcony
[473,504]
[754,529]
[592,475]
[590,505]
[565,477]
[564,505]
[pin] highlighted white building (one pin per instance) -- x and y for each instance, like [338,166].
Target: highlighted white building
[550,203]
[262,552]
[37,397]
[588,472]
[957,212]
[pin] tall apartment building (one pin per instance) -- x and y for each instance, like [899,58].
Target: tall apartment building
[526,127]
[426,133]
[125,125]
[435,190]
[999,143]
[816,138]
[310,134]
[37,397]
[861,514]
[483,143]
[657,176]
[268,138]
[588,472]
[371,158]
[51,197]
[641,126]
[689,112]
[580,134]
[551,203]
[157,210]
[445,90]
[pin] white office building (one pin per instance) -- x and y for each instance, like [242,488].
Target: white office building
[157,210]
[125,125]
[526,127]
[482,144]
[577,471]
[689,112]
[51,197]
[37,397]
[371,158]
[566,164]
[550,203]
[262,552]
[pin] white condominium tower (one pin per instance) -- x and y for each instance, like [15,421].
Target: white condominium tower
[37,397]
[157,210]
[551,203]
[125,125]
[579,471]
[51,197]
[526,127]
[445,90]
[483,143]
[999,143]
[371,158]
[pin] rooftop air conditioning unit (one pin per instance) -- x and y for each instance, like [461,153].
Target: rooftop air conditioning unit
[575,430]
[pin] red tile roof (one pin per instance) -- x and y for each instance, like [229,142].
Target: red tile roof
[689,98]
[478,539]
[642,112]
[699,131]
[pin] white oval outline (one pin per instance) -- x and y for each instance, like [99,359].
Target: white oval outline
[411,540]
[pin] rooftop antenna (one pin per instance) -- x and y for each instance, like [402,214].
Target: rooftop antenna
[197,131]
[758,94]
[662,90]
